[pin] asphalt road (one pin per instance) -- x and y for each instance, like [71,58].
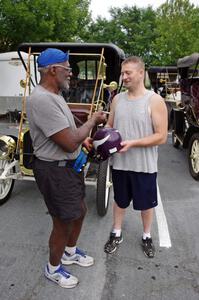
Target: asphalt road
[127,274]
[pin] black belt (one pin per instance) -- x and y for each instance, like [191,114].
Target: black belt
[59,163]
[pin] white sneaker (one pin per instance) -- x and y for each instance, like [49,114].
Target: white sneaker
[62,277]
[79,258]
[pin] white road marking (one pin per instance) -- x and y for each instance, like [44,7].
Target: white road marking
[164,237]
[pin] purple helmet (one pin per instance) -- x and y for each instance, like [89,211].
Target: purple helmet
[106,141]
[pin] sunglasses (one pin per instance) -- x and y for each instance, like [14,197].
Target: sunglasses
[66,68]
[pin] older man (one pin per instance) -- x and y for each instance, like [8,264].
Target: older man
[57,145]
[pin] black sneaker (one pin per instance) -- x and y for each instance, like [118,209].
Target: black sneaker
[113,242]
[148,247]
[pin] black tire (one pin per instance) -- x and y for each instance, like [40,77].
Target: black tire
[193,156]
[169,112]
[175,141]
[6,186]
[103,187]
[170,120]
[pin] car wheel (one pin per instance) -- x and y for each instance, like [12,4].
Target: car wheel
[6,185]
[103,187]
[193,156]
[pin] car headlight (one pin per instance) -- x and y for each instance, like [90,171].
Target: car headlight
[7,146]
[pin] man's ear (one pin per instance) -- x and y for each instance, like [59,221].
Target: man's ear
[142,72]
[52,70]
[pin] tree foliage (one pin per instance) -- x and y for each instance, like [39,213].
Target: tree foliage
[41,20]
[177,27]
[130,28]
[159,36]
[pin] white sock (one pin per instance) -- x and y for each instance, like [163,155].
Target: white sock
[52,268]
[117,232]
[70,250]
[146,235]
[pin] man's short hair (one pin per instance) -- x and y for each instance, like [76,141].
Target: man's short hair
[136,60]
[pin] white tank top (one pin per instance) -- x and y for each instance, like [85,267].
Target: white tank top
[132,119]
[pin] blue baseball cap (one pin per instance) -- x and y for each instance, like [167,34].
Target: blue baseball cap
[51,56]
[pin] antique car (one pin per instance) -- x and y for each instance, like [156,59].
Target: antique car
[164,81]
[94,81]
[186,113]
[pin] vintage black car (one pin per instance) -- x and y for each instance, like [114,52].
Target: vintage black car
[186,114]
[95,80]
[164,81]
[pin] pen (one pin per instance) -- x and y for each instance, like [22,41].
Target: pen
[106,112]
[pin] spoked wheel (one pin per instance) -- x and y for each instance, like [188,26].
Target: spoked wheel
[193,156]
[6,185]
[103,187]
[175,141]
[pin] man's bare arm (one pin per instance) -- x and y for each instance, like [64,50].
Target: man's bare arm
[70,139]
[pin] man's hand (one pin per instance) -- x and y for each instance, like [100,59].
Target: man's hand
[126,145]
[99,117]
[88,143]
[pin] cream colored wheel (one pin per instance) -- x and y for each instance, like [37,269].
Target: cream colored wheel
[6,185]
[104,184]
[193,156]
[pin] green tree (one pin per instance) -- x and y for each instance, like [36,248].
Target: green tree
[177,27]
[131,28]
[41,21]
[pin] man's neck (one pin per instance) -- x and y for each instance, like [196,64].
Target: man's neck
[135,93]
[49,88]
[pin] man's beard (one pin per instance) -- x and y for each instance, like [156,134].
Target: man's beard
[64,87]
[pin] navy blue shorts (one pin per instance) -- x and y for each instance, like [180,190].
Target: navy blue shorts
[138,187]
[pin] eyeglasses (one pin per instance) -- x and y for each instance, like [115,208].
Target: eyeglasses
[63,67]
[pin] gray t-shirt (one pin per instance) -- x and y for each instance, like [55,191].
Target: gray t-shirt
[133,120]
[48,114]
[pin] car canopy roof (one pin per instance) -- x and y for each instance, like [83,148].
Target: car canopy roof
[113,54]
[157,72]
[109,49]
[188,61]
[164,69]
